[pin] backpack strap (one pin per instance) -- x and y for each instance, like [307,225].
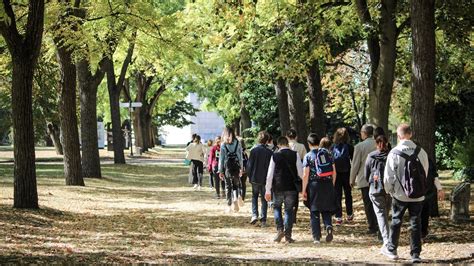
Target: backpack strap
[401,154]
[236,146]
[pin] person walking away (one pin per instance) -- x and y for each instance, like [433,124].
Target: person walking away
[207,149]
[190,176]
[357,176]
[195,153]
[213,167]
[231,168]
[257,168]
[244,176]
[318,186]
[342,152]
[434,189]
[405,180]
[284,169]
[300,149]
[374,173]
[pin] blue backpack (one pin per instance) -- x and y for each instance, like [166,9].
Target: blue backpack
[341,157]
[324,164]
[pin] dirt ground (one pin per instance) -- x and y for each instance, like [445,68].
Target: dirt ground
[149,214]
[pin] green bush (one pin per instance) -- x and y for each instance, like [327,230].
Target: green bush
[464,158]
[444,151]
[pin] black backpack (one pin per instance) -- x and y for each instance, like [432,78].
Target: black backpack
[232,164]
[413,180]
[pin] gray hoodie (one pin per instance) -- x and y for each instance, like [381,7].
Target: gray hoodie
[394,169]
[231,148]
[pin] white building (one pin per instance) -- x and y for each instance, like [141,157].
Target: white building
[208,125]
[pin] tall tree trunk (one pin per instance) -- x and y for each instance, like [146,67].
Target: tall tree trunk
[296,107]
[88,85]
[245,121]
[236,126]
[283,112]
[24,50]
[69,125]
[380,98]
[54,134]
[423,74]
[137,127]
[316,99]
[144,129]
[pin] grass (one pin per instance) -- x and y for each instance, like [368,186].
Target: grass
[149,214]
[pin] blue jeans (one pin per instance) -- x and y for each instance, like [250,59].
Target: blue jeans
[316,222]
[398,210]
[289,198]
[256,191]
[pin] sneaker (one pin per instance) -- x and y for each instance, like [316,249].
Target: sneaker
[350,218]
[390,254]
[289,240]
[415,258]
[240,201]
[329,236]
[195,186]
[218,197]
[253,220]
[199,188]
[263,224]
[236,207]
[228,209]
[279,236]
[338,221]
[316,241]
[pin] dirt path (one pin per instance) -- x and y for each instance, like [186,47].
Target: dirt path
[150,214]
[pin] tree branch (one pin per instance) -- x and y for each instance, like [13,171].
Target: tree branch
[127,60]
[9,30]
[403,25]
[156,97]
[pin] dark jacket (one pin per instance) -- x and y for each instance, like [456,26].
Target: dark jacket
[257,165]
[375,163]
[285,170]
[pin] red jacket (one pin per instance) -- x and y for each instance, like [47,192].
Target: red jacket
[213,158]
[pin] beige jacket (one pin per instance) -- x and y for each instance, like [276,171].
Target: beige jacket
[298,147]
[195,152]
[361,151]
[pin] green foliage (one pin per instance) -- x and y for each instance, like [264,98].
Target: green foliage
[177,115]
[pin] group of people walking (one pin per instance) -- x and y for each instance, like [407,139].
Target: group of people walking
[395,179]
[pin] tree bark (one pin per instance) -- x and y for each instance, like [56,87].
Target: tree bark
[296,107]
[283,112]
[24,50]
[88,85]
[54,134]
[68,117]
[245,121]
[316,99]
[423,74]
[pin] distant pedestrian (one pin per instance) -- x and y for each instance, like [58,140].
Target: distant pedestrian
[213,167]
[285,167]
[207,150]
[374,173]
[195,153]
[294,144]
[190,176]
[244,176]
[231,168]
[257,168]
[342,152]
[407,164]
[318,186]
[357,176]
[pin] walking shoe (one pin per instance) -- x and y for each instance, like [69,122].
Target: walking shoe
[218,197]
[415,258]
[279,236]
[289,240]
[199,188]
[236,207]
[240,201]
[316,241]
[263,224]
[253,220]
[338,221]
[350,218]
[228,209]
[195,186]
[329,236]
[390,254]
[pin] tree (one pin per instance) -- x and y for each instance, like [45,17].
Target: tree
[283,112]
[24,49]
[423,74]
[297,108]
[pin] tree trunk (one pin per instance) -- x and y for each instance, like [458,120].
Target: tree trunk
[423,74]
[283,112]
[144,129]
[316,99]
[137,127]
[114,99]
[245,121]
[69,129]
[54,134]
[89,137]
[380,98]
[236,126]
[296,107]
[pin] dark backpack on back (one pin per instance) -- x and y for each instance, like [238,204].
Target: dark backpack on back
[341,157]
[324,164]
[413,180]
[377,167]
[232,164]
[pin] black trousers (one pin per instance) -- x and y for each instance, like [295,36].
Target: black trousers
[414,210]
[369,210]
[197,170]
[343,183]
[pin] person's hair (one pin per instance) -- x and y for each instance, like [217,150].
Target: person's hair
[403,130]
[197,139]
[368,129]
[216,139]
[325,143]
[193,136]
[209,142]
[341,136]
[270,138]
[313,139]
[282,141]
[382,143]
[291,133]
[378,131]
[262,137]
[228,133]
